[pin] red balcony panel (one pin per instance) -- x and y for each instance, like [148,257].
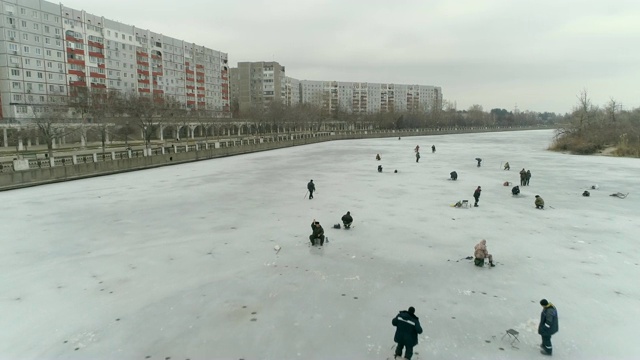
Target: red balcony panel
[75,61]
[72,39]
[77,73]
[191,87]
[200,88]
[141,53]
[199,66]
[143,63]
[187,63]
[98,86]
[143,81]
[96,54]
[158,91]
[75,51]
[101,66]
[98,75]
[190,102]
[144,90]
[154,56]
[200,95]
[156,73]
[143,72]
[95,44]
[77,83]
[191,95]
[190,79]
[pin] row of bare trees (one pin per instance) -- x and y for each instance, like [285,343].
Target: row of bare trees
[439,116]
[104,109]
[591,128]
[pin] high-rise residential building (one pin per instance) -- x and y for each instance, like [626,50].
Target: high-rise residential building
[258,84]
[357,97]
[49,50]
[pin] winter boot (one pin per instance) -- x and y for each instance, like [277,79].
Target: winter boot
[491,263]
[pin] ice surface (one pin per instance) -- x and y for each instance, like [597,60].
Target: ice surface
[183,261]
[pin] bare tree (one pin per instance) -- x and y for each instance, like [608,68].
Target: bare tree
[143,111]
[50,123]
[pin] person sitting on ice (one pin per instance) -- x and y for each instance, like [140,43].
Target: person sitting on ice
[378,157]
[379,168]
[318,233]
[347,220]
[506,166]
[515,190]
[539,202]
[482,253]
[454,175]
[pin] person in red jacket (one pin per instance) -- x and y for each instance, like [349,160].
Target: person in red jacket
[407,329]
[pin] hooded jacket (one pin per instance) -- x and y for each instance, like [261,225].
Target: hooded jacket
[407,328]
[481,250]
[548,321]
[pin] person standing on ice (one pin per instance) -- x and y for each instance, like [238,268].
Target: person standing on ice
[548,325]
[481,253]
[417,156]
[407,329]
[527,177]
[417,148]
[378,157]
[433,148]
[318,233]
[523,177]
[476,195]
[311,187]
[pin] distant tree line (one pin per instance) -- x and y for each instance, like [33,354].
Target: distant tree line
[590,129]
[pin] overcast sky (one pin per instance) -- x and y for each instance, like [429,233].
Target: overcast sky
[534,54]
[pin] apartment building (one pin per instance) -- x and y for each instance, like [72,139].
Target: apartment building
[49,50]
[258,84]
[363,98]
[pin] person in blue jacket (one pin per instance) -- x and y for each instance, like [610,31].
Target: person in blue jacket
[548,325]
[407,329]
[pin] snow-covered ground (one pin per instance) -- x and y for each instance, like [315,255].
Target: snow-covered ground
[179,262]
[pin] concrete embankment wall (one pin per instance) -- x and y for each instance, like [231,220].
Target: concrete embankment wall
[47,175]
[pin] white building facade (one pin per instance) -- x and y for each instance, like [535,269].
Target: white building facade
[49,50]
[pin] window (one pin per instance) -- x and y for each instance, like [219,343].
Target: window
[25,36]
[13,47]
[47,40]
[59,54]
[48,52]
[61,88]
[16,85]
[25,49]
[39,63]
[17,97]
[23,11]
[41,87]
[40,75]
[34,14]
[45,16]
[57,31]
[21,109]
[15,72]
[50,76]
[38,51]
[36,38]
[36,26]
[27,61]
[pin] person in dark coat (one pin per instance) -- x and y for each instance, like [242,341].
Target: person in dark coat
[417,156]
[539,202]
[347,220]
[527,177]
[378,157]
[548,325]
[476,195]
[454,175]
[379,168]
[407,329]
[515,190]
[479,161]
[433,148]
[523,177]
[318,233]
[311,187]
